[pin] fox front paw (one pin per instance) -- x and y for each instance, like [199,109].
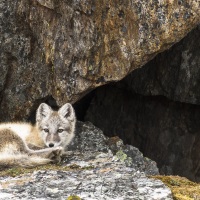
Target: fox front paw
[56,154]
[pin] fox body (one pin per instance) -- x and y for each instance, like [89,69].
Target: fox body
[22,144]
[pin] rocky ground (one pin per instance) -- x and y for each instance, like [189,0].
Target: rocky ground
[100,168]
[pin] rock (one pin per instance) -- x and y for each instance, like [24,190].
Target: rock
[91,139]
[63,49]
[174,73]
[163,130]
[87,184]
[98,174]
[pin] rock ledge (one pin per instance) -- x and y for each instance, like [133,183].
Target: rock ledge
[103,176]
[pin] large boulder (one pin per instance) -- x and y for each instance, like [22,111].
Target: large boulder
[63,49]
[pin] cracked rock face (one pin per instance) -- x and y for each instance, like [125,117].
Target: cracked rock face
[64,49]
[111,171]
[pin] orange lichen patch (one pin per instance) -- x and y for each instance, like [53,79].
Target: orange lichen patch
[113,140]
[105,170]
[182,188]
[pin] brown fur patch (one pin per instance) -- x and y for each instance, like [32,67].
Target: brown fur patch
[8,137]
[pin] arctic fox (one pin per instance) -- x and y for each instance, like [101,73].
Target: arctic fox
[24,145]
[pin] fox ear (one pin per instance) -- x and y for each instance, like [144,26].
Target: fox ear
[67,112]
[43,111]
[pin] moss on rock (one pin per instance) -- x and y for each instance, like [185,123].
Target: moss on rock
[182,188]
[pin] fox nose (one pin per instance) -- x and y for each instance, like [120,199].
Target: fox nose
[51,145]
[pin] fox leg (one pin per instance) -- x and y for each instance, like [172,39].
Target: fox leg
[54,154]
[34,147]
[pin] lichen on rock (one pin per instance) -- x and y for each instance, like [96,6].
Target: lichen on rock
[182,188]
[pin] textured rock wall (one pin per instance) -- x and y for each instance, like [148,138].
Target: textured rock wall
[63,49]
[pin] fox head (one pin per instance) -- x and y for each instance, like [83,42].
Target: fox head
[56,127]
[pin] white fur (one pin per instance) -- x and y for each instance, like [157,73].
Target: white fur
[63,119]
[23,160]
[21,129]
[43,112]
[9,148]
[66,111]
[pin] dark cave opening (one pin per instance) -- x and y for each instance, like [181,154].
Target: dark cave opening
[83,104]
[166,131]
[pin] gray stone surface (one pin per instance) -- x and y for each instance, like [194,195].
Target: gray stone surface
[106,176]
[110,183]
[91,139]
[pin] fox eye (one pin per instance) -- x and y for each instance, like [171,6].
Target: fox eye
[60,130]
[46,130]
